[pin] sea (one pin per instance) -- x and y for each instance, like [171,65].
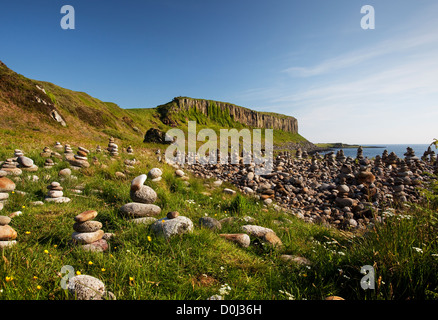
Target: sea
[398,149]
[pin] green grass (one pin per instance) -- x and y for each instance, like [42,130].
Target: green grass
[196,265]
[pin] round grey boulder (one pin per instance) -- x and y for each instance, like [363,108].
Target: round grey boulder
[84,287]
[143,194]
[170,227]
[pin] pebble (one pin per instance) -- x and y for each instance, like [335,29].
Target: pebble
[87,226]
[155,173]
[172,214]
[256,231]
[139,210]
[210,223]
[87,237]
[7,233]
[86,216]
[240,238]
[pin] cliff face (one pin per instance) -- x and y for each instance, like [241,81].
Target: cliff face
[240,114]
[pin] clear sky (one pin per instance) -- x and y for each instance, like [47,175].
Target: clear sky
[309,59]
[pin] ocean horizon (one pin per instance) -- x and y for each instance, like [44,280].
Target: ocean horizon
[377,149]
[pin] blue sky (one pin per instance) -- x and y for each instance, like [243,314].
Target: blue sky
[308,59]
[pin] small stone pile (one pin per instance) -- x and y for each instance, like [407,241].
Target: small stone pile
[68,152]
[47,152]
[80,159]
[55,193]
[26,164]
[113,148]
[88,233]
[143,197]
[130,150]
[10,166]
[98,149]
[18,153]
[58,146]
[7,233]
[359,155]
[48,164]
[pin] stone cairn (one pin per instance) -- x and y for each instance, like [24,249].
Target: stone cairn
[130,150]
[88,233]
[113,148]
[80,160]
[141,209]
[26,164]
[340,156]
[48,164]
[10,166]
[58,146]
[7,233]
[98,149]
[68,152]
[47,152]
[55,193]
[359,155]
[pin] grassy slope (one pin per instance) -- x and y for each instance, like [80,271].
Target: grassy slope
[195,266]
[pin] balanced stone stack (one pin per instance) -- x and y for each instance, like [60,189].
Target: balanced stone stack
[55,193]
[399,194]
[47,152]
[88,233]
[7,233]
[26,164]
[113,148]
[18,153]
[58,146]
[410,155]
[98,149]
[48,164]
[80,159]
[340,156]
[130,150]
[68,152]
[359,154]
[299,153]
[143,197]
[391,159]
[10,166]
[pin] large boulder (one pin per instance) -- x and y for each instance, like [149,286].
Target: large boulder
[167,228]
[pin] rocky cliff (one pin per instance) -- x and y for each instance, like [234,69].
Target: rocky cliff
[239,114]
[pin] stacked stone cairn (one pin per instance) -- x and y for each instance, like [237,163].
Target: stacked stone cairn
[48,163]
[113,148]
[68,152]
[98,149]
[10,166]
[141,209]
[130,150]
[88,233]
[80,160]
[359,155]
[55,193]
[58,146]
[26,164]
[47,152]
[7,233]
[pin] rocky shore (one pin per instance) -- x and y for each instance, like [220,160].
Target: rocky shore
[336,190]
